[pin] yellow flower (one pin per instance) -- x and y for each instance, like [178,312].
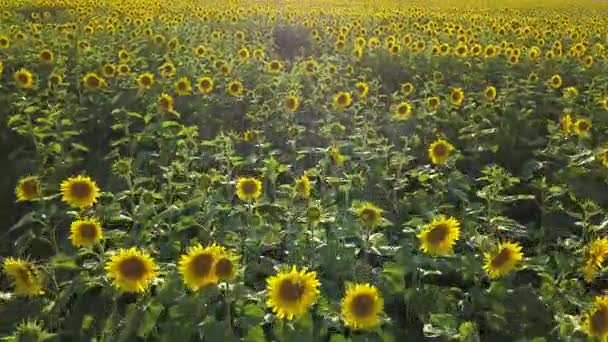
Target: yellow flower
[407,88]
[595,257]
[167,70]
[595,320]
[570,93]
[92,81]
[274,66]
[369,214]
[461,51]
[124,69]
[259,54]
[439,236]
[311,67]
[490,51]
[183,86]
[24,277]
[197,266]
[342,100]
[85,232]
[432,103]
[439,151]
[290,294]
[45,56]
[602,156]
[457,96]
[249,136]
[165,102]
[200,51]
[292,103]
[244,54]
[555,81]
[402,112]
[108,70]
[24,79]
[362,306]
[503,260]
[235,88]
[225,266]
[145,80]
[490,93]
[205,85]
[303,187]
[131,270]
[248,189]
[582,127]
[566,123]
[28,189]
[5,43]
[603,102]
[123,55]
[80,191]
[362,89]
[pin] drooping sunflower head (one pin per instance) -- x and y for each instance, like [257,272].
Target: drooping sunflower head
[248,189]
[342,100]
[24,79]
[205,85]
[131,270]
[92,81]
[79,191]
[145,80]
[503,259]
[595,320]
[439,151]
[402,111]
[226,265]
[457,96]
[165,102]
[303,187]
[198,264]
[24,277]
[369,214]
[290,294]
[555,81]
[582,127]
[490,93]
[28,189]
[235,88]
[362,89]
[85,232]
[439,236]
[362,306]
[183,86]
[292,103]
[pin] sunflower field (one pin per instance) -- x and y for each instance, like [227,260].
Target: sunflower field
[304,170]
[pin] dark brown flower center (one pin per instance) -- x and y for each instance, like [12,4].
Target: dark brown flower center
[368,215]
[45,55]
[456,96]
[132,268]
[182,86]
[342,99]
[583,126]
[291,291]
[291,103]
[223,268]
[440,150]
[438,234]
[30,188]
[234,88]
[362,305]
[81,190]
[201,264]
[23,78]
[88,231]
[249,187]
[205,84]
[164,103]
[93,81]
[146,80]
[599,321]
[403,109]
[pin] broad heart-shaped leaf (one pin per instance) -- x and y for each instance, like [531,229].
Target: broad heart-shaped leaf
[148,321]
[394,274]
[218,331]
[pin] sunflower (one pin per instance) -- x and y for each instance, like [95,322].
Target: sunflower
[407,88]
[490,93]
[24,276]
[503,260]
[566,123]
[457,96]
[594,258]
[165,102]
[290,294]
[439,236]
[336,156]
[369,214]
[123,69]
[80,191]
[490,51]
[582,127]
[402,111]
[226,265]
[432,103]
[183,86]
[24,79]
[167,70]
[5,43]
[259,54]
[555,81]
[311,67]
[595,320]
[45,56]
[123,55]
[570,93]
[250,136]
[145,81]
[303,187]
[85,232]
[243,54]
[603,102]
[274,66]
[205,85]
[291,103]
[248,189]
[461,51]
[92,81]
[602,156]
[197,266]
[131,270]
[362,89]
[362,306]
[200,51]
[342,100]
[235,88]
[439,151]
[108,70]
[55,79]
[28,189]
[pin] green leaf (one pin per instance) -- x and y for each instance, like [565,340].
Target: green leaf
[148,321]
[170,124]
[64,261]
[80,147]
[337,338]
[394,274]
[255,334]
